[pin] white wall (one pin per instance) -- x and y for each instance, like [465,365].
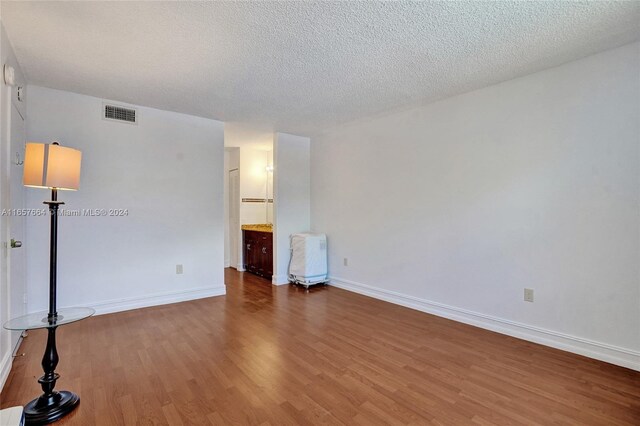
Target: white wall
[291,193]
[225,197]
[457,206]
[270,187]
[167,171]
[254,183]
[8,96]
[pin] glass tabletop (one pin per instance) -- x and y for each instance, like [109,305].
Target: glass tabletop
[39,319]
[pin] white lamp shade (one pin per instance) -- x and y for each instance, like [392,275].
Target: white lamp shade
[51,166]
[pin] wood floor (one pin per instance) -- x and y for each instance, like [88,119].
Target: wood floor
[266,355]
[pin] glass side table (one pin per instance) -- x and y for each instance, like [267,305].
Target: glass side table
[52,405]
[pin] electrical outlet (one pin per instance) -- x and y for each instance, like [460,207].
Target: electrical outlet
[346,262]
[178,269]
[528,295]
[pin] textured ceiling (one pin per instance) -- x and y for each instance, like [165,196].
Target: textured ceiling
[301,66]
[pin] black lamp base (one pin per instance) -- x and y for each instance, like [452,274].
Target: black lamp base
[48,409]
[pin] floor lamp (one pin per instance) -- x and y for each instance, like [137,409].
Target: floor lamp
[53,167]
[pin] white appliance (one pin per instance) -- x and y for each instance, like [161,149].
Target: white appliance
[308,264]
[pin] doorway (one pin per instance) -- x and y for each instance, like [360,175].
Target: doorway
[248,194]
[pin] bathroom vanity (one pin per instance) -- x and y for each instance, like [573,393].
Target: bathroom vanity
[257,243]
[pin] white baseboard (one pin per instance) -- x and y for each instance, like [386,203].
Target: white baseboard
[597,350]
[5,368]
[125,304]
[240,267]
[280,279]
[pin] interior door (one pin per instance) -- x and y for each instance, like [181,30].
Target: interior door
[16,261]
[234,218]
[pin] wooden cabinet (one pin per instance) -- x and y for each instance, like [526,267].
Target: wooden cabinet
[258,252]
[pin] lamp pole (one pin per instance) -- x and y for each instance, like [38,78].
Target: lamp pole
[53,253]
[51,405]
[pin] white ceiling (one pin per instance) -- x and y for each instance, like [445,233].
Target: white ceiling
[301,66]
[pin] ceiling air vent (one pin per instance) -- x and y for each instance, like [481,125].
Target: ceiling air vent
[118,113]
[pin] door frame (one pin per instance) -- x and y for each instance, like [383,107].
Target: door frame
[235,238]
[16,226]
